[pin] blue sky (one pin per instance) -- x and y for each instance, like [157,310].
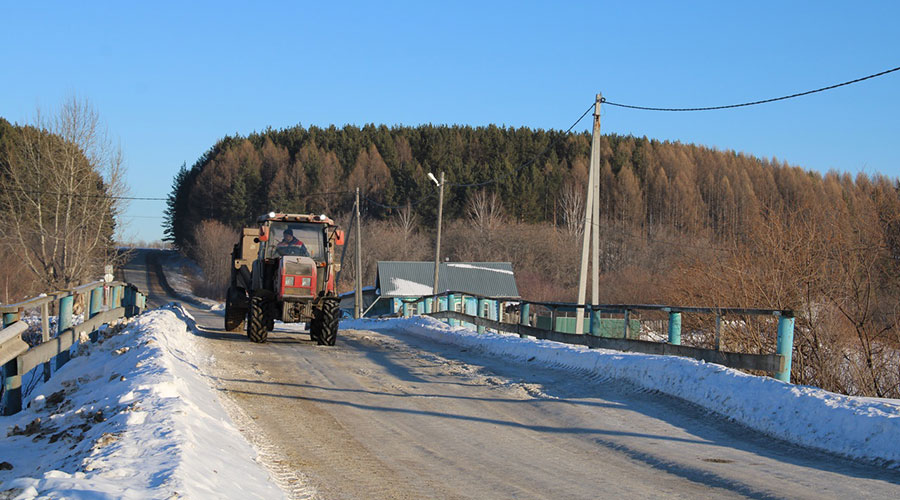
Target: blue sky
[169,79]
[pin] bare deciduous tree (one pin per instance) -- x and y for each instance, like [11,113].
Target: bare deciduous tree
[213,242]
[63,179]
[485,210]
[406,221]
[571,203]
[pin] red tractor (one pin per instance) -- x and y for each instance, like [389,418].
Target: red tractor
[285,270]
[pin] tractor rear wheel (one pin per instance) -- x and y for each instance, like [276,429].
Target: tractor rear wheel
[234,315]
[330,320]
[256,320]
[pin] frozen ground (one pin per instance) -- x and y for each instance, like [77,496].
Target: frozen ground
[130,417]
[862,428]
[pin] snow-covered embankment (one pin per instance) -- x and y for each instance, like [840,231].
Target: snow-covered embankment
[130,417]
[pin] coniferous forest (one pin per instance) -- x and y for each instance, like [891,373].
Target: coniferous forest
[680,224]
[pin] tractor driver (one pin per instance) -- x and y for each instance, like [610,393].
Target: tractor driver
[288,240]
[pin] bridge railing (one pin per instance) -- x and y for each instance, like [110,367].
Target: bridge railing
[598,335]
[104,303]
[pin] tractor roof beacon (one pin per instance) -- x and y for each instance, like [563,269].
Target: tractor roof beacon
[284,269]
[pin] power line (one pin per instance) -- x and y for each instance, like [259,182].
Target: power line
[753,103]
[81,195]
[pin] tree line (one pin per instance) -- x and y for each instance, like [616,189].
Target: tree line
[680,224]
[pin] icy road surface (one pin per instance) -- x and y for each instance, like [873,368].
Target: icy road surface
[389,414]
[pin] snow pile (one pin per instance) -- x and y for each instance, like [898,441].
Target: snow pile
[130,417]
[865,428]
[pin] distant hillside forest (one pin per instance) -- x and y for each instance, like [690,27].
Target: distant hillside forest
[680,224]
[539,176]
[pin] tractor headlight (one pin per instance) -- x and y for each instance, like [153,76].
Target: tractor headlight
[305,282]
[289,281]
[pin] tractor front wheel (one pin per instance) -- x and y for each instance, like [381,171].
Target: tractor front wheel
[256,320]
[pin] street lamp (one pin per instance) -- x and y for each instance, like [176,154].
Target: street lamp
[437,246]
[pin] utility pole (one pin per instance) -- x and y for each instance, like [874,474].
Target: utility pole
[437,246]
[357,303]
[591,219]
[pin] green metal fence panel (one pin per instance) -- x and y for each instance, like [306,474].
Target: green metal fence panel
[610,328]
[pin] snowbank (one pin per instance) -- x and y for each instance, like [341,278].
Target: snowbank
[864,428]
[130,417]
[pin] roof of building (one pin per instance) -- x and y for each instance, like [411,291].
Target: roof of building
[414,279]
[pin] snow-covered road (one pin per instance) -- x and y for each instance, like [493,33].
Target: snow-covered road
[407,409]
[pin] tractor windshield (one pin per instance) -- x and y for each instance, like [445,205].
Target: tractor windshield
[296,238]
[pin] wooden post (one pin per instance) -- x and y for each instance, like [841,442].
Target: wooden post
[12,378]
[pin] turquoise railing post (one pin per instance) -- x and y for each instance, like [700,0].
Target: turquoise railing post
[524,317]
[128,301]
[119,295]
[428,303]
[96,301]
[96,304]
[675,328]
[11,377]
[405,306]
[63,323]
[451,306]
[595,323]
[10,318]
[785,346]
[480,313]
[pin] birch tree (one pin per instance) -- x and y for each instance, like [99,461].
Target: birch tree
[62,185]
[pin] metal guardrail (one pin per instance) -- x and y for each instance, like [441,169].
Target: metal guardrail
[778,364]
[105,302]
[765,362]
